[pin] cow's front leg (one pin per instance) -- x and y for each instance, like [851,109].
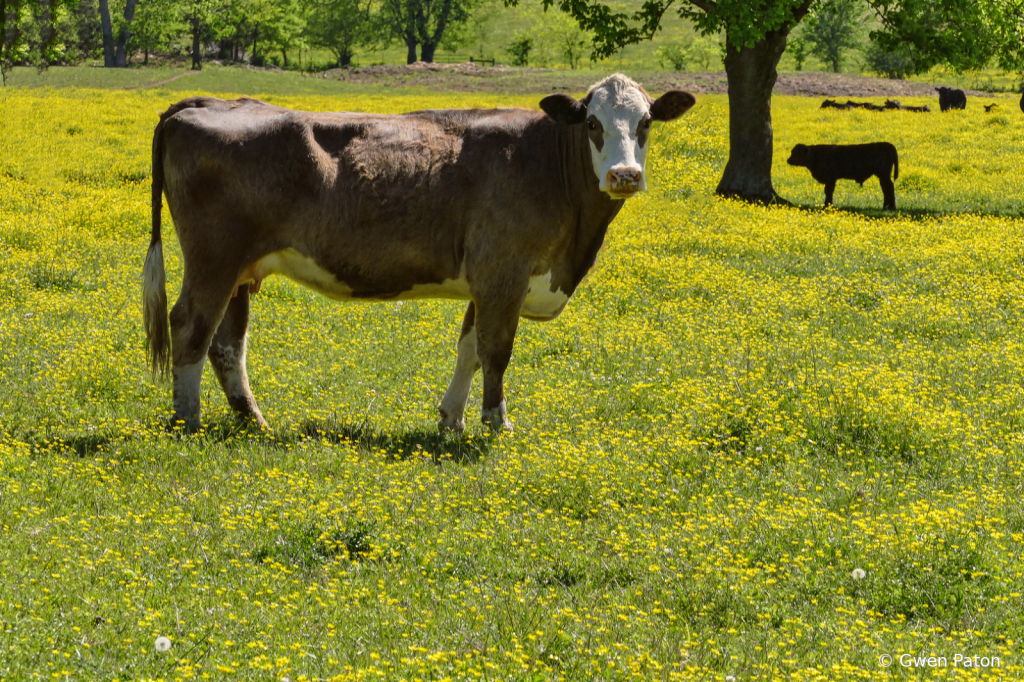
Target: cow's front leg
[495,335]
[453,404]
[830,188]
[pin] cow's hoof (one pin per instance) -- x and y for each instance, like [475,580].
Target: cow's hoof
[496,420]
[448,423]
[185,424]
[254,421]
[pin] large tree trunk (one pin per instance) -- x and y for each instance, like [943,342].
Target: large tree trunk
[427,52]
[752,75]
[411,57]
[197,48]
[108,34]
[122,40]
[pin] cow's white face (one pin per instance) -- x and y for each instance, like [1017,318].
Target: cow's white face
[618,115]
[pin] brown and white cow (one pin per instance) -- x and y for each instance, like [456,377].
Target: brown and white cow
[505,208]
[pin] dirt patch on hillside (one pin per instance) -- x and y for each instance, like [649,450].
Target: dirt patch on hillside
[469,77]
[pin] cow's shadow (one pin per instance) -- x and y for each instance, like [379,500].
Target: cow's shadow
[875,213]
[914,213]
[461,448]
[366,440]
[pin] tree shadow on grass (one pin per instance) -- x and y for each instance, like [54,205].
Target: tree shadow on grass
[399,446]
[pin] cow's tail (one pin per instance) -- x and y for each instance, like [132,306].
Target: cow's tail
[154,283]
[895,163]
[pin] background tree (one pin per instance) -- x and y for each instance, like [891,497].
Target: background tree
[800,50]
[832,29]
[475,31]
[422,23]
[80,32]
[155,22]
[575,43]
[28,32]
[340,26]
[107,27]
[672,55]
[519,50]
[284,32]
[963,34]
[120,50]
[898,63]
[200,16]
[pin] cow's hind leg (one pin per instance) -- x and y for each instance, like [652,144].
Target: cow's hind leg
[194,319]
[453,404]
[830,188]
[227,356]
[888,192]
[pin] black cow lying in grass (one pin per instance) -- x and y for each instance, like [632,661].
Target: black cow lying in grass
[951,98]
[889,104]
[895,104]
[831,162]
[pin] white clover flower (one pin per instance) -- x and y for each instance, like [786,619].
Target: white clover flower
[163,644]
[730,678]
[858,574]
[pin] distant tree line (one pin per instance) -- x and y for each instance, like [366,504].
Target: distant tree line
[46,32]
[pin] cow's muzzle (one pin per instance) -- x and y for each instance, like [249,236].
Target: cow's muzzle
[624,182]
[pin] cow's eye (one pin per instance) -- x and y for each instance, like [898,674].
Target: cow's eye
[591,124]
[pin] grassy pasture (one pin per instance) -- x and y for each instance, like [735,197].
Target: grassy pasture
[739,408]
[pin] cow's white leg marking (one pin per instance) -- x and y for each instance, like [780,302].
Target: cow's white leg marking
[229,364]
[227,355]
[453,404]
[187,379]
[497,418]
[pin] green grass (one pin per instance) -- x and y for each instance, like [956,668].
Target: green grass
[739,407]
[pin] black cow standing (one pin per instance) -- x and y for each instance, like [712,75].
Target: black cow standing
[951,98]
[831,162]
[1022,102]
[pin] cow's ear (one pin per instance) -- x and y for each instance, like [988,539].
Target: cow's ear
[565,109]
[671,105]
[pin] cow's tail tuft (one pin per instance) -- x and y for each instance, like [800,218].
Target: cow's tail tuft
[895,164]
[154,283]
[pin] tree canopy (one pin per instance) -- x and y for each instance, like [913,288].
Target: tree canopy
[962,34]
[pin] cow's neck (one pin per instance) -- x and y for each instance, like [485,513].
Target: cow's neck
[593,210]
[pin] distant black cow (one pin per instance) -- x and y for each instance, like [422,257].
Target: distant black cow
[951,98]
[831,162]
[990,107]
[832,104]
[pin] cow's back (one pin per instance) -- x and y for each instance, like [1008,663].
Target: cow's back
[382,202]
[852,162]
